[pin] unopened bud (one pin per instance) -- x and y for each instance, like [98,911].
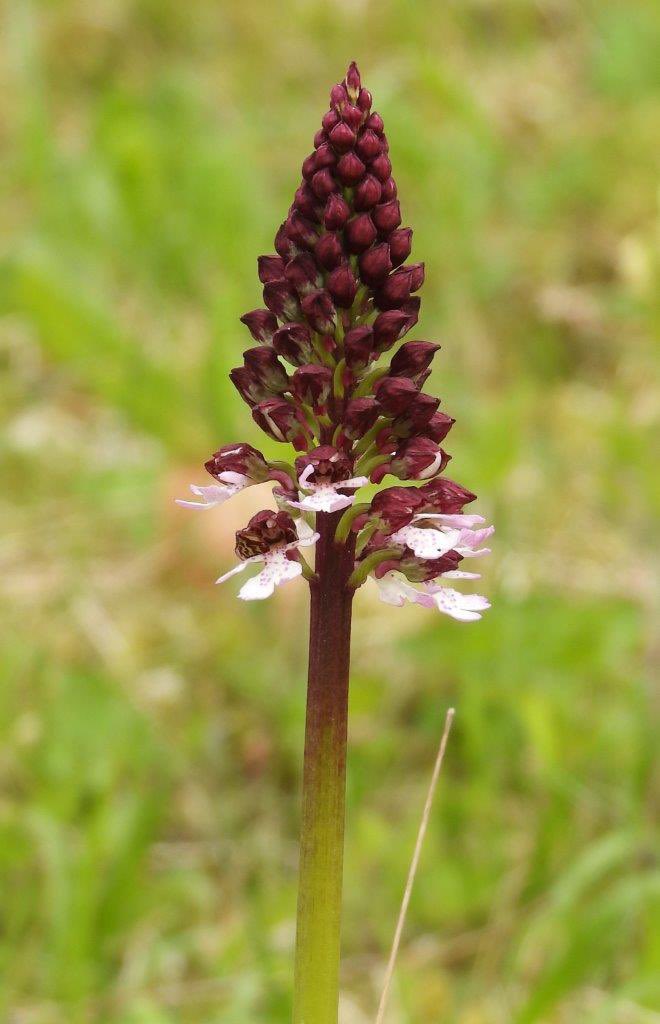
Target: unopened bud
[350,169]
[413,360]
[261,324]
[306,202]
[375,264]
[294,343]
[390,326]
[400,245]
[325,157]
[387,216]
[342,138]
[267,368]
[359,416]
[358,346]
[330,119]
[367,193]
[270,268]
[281,421]
[311,385]
[323,183]
[394,508]
[439,426]
[352,82]
[303,274]
[368,145]
[281,299]
[319,311]
[360,233]
[381,167]
[395,290]
[375,122]
[365,100]
[389,191]
[419,458]
[329,250]
[395,394]
[338,97]
[336,213]
[283,244]
[342,286]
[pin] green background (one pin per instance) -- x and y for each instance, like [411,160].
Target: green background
[151,724]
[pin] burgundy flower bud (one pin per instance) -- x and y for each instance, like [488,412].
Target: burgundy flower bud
[264,531]
[418,459]
[417,273]
[389,191]
[368,145]
[271,268]
[420,570]
[281,299]
[338,97]
[309,166]
[329,464]
[358,345]
[360,233]
[306,202]
[319,311]
[249,387]
[342,286]
[329,250]
[413,360]
[323,183]
[444,496]
[395,290]
[390,326]
[337,212]
[367,193]
[352,115]
[301,231]
[387,216]
[294,343]
[375,122]
[342,137]
[281,421]
[311,385]
[352,81]
[261,324]
[325,157]
[394,508]
[375,264]
[238,458]
[283,244]
[359,416]
[330,119]
[417,416]
[439,426]
[365,100]
[400,245]
[303,274]
[267,368]
[381,167]
[395,394]
[350,169]
[320,138]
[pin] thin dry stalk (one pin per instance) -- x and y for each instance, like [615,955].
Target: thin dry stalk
[449,718]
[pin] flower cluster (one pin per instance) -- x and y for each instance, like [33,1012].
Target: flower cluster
[339,295]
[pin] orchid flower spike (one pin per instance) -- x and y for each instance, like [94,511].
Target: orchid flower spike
[323,374]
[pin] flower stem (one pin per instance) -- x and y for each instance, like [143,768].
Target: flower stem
[316,987]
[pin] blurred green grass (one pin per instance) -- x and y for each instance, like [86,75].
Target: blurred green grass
[151,727]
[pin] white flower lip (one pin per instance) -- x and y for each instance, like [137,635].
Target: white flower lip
[278,568]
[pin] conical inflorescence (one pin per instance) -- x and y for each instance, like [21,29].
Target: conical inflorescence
[325,375]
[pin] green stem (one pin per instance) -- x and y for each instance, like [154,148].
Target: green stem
[359,576]
[368,467]
[316,986]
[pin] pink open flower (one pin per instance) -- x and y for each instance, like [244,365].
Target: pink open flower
[394,589]
[228,485]
[322,475]
[274,537]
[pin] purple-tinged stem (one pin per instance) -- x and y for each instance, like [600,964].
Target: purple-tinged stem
[316,987]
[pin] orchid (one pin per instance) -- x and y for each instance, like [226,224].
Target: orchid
[326,377]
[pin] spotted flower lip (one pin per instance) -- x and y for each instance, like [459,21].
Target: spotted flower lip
[228,485]
[278,566]
[394,589]
[324,495]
